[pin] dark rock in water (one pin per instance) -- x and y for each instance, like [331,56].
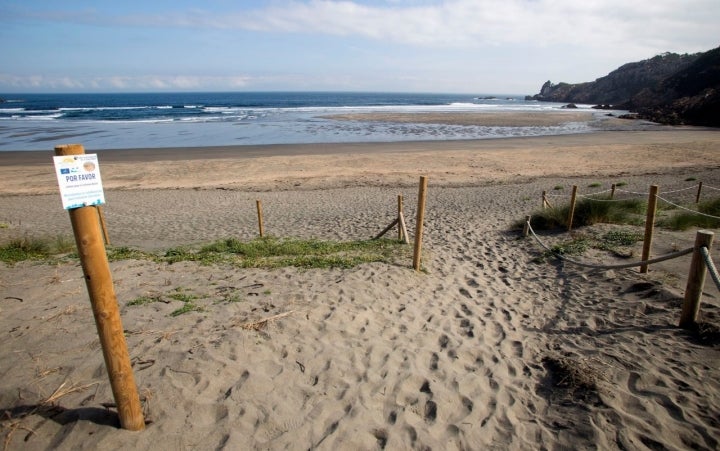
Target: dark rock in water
[570,106]
[668,88]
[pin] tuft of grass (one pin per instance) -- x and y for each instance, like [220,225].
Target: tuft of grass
[558,187]
[144,300]
[691,179]
[126,253]
[64,245]
[612,241]
[181,294]
[266,252]
[685,219]
[4,225]
[271,252]
[186,308]
[589,212]
[622,237]
[25,248]
[576,246]
[595,185]
[183,297]
[620,184]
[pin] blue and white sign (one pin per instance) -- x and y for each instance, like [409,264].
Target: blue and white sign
[79,180]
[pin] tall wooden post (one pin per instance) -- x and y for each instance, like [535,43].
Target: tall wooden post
[571,213]
[699,191]
[649,226]
[261,226]
[696,280]
[612,191]
[422,194]
[98,279]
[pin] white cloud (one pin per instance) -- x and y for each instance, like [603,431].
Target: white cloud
[651,25]
[656,25]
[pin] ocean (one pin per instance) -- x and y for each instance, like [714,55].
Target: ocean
[152,120]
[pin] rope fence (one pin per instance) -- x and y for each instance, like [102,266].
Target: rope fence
[653,198]
[700,265]
[688,209]
[613,190]
[618,266]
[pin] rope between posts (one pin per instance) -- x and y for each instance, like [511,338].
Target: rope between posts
[681,189]
[711,187]
[710,266]
[584,196]
[621,266]
[631,192]
[688,209]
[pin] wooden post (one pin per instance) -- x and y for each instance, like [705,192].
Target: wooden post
[696,280]
[261,227]
[103,224]
[386,229]
[612,191]
[571,213]
[400,213]
[697,197]
[422,195]
[649,226]
[544,200]
[526,227]
[98,280]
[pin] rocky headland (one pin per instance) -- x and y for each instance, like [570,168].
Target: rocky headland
[669,88]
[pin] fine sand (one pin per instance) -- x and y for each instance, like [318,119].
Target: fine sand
[489,347]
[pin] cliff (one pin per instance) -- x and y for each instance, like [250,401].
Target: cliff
[669,88]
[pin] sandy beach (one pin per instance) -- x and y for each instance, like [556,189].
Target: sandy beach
[470,353]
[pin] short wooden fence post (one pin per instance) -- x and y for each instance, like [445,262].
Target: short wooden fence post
[699,191]
[526,226]
[400,213]
[696,280]
[571,213]
[103,224]
[649,226]
[422,194]
[612,191]
[261,226]
[98,280]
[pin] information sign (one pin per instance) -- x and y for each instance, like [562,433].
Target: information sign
[79,180]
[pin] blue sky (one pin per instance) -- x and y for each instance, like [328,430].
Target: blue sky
[468,46]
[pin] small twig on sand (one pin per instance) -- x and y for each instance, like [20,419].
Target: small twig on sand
[63,391]
[259,324]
